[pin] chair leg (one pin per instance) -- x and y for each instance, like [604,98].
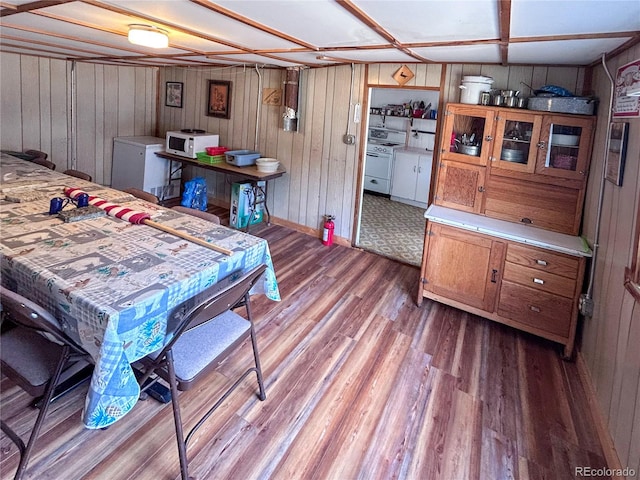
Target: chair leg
[24,458]
[263,394]
[177,418]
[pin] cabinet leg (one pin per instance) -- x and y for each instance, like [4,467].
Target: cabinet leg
[568,353]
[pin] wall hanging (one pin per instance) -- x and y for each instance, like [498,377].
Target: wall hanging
[173,97]
[219,102]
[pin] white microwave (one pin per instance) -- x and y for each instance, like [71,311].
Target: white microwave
[188,143]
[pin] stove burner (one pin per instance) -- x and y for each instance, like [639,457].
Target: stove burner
[191,130]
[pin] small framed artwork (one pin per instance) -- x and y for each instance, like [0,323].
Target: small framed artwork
[174,95]
[219,102]
[617,152]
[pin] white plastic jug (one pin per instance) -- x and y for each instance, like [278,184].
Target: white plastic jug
[472,87]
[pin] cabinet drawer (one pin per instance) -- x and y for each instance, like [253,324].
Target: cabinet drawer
[376,184]
[543,260]
[543,281]
[546,311]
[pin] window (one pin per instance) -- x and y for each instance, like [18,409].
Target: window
[632,273]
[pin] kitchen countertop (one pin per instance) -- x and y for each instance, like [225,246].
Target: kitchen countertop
[415,150]
[572,245]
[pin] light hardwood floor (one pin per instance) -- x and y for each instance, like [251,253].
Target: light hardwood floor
[361,384]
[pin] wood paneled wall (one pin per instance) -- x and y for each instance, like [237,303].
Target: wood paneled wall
[73,111]
[611,338]
[321,169]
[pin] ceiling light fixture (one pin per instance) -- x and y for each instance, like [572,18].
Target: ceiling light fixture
[148,36]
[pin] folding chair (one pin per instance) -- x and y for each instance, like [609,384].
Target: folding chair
[34,355]
[44,163]
[142,195]
[197,213]
[200,338]
[78,174]
[37,154]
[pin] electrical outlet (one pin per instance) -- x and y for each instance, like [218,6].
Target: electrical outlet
[349,139]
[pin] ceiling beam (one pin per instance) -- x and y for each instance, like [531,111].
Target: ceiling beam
[504,18]
[28,7]
[252,23]
[369,22]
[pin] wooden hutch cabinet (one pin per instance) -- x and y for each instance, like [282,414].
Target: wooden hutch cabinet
[501,238]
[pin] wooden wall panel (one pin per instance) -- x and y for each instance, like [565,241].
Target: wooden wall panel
[611,337]
[110,101]
[11,131]
[320,167]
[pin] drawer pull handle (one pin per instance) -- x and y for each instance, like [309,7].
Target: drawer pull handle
[494,274]
[538,281]
[374,181]
[542,262]
[526,220]
[534,308]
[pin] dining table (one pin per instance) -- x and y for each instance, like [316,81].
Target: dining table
[112,284]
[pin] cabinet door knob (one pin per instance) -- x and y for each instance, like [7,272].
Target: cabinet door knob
[414,169]
[541,145]
[539,281]
[488,138]
[481,189]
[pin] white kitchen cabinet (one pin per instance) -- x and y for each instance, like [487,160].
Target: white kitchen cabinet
[411,177]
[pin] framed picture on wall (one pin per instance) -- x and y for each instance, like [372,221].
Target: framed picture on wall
[219,101]
[173,96]
[617,152]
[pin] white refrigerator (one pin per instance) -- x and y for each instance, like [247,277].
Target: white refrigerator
[135,164]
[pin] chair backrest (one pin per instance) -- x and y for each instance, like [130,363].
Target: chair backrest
[216,300]
[141,194]
[197,213]
[28,314]
[37,154]
[78,174]
[44,163]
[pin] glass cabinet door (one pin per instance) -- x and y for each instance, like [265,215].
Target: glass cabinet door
[516,142]
[467,134]
[564,145]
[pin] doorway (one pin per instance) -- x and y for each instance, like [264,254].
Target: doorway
[391,217]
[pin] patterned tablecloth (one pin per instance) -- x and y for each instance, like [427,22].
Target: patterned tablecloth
[112,284]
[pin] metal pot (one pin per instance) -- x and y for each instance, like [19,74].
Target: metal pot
[470,149]
[511,102]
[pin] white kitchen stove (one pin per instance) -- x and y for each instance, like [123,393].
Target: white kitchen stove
[381,144]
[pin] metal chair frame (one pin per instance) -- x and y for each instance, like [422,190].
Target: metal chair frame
[218,300]
[30,316]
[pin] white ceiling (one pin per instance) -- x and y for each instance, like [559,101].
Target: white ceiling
[289,33]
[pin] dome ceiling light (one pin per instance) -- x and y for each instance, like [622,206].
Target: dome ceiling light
[148,36]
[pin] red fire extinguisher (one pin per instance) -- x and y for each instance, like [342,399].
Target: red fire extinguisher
[327,231]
